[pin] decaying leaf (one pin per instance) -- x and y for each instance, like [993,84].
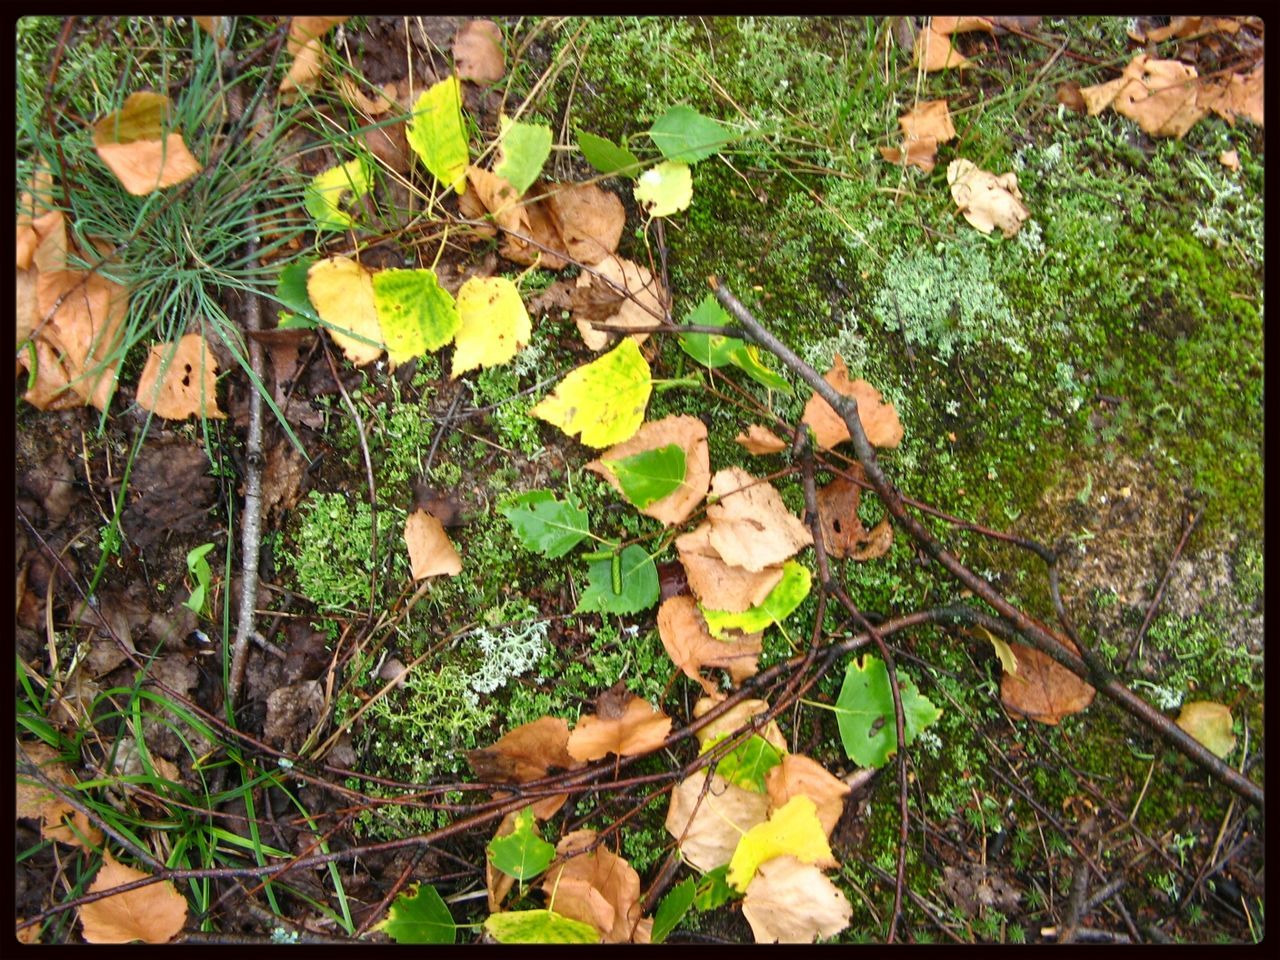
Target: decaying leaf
[477,52]
[589,220]
[760,440]
[986,200]
[64,823]
[842,531]
[133,143]
[1043,689]
[1240,94]
[691,647]
[798,775]
[374,106]
[715,583]
[734,719]
[791,830]
[341,290]
[32,796]
[600,298]
[1210,724]
[933,51]
[879,419]
[1167,98]
[708,831]
[430,552]
[596,887]
[750,525]
[923,128]
[307,49]
[690,434]
[152,914]
[793,902]
[529,752]
[180,380]
[975,888]
[83,331]
[623,724]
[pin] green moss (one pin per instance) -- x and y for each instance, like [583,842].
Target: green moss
[331,549]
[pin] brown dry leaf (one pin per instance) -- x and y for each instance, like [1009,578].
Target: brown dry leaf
[690,434]
[180,380]
[31,795]
[691,647]
[1070,96]
[79,832]
[877,542]
[1236,95]
[933,51]
[1100,96]
[750,525]
[1182,27]
[84,329]
[216,27]
[792,902]
[760,440]
[27,308]
[799,775]
[950,25]
[497,883]
[390,146]
[735,719]
[375,106]
[529,752]
[307,49]
[29,934]
[430,552]
[477,52]
[930,118]
[627,725]
[708,832]
[838,513]
[37,219]
[1162,97]
[133,144]
[986,200]
[1043,689]
[596,887]
[153,914]
[879,419]
[640,307]
[716,584]
[590,220]
[922,153]
[1229,159]
[518,220]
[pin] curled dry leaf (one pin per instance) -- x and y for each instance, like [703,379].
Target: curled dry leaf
[180,380]
[799,775]
[596,887]
[986,200]
[716,584]
[619,293]
[750,525]
[1166,98]
[1042,689]
[624,724]
[529,752]
[307,49]
[132,142]
[736,718]
[691,647]
[430,552]
[792,902]
[933,51]
[842,531]
[879,419]
[374,106]
[690,434]
[477,52]
[708,827]
[152,914]
[760,440]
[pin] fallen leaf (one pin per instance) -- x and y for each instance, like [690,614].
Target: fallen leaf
[497,883]
[922,153]
[715,583]
[1229,159]
[923,128]
[180,380]
[341,291]
[691,647]
[596,887]
[1235,95]
[760,440]
[437,134]
[375,106]
[690,434]
[152,914]
[477,52]
[777,606]
[523,149]
[520,852]
[798,775]
[879,419]
[1210,724]
[1161,97]
[529,752]
[330,190]
[1043,689]
[538,926]
[792,902]
[590,220]
[791,830]
[494,324]
[976,888]
[415,314]
[430,552]
[639,298]
[986,200]
[293,712]
[307,49]
[84,329]
[603,401]
[132,142]
[31,795]
[750,525]
[635,728]
[734,719]
[842,529]
[1071,96]
[933,51]
[708,827]
[79,832]
[665,189]
[950,25]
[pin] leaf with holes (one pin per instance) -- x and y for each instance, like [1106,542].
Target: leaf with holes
[625,584]
[419,915]
[437,134]
[865,716]
[544,524]
[331,190]
[523,853]
[415,313]
[180,380]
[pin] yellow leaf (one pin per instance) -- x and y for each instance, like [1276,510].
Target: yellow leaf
[342,292]
[495,324]
[153,914]
[1210,724]
[604,401]
[792,830]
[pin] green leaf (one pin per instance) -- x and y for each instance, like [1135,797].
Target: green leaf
[291,291]
[419,915]
[665,189]
[672,910]
[649,475]
[713,889]
[776,607]
[525,147]
[639,587]
[864,712]
[327,192]
[198,567]
[748,762]
[523,853]
[539,926]
[747,359]
[415,313]
[686,136]
[603,400]
[607,157]
[714,351]
[544,524]
[437,135]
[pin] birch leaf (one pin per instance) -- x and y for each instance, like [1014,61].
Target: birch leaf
[437,134]
[604,400]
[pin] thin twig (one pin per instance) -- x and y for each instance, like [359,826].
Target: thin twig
[1164,581]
